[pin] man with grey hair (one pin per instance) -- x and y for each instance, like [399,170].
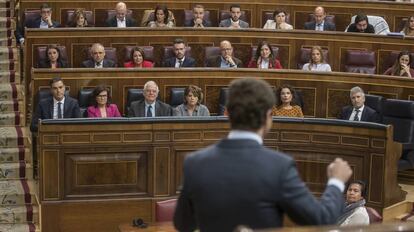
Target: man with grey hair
[149,106]
[121,19]
[358,111]
[98,58]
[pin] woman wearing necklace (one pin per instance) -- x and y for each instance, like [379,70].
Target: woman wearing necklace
[285,104]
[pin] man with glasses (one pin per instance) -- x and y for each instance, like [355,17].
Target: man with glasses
[43,21]
[121,19]
[149,106]
[226,59]
[98,58]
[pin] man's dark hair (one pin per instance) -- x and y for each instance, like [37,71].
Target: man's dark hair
[363,186]
[234,6]
[361,17]
[178,41]
[248,102]
[45,6]
[54,80]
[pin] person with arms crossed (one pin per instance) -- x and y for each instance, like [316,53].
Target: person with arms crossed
[238,181]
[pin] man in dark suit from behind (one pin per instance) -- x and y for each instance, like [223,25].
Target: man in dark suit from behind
[179,60]
[320,24]
[43,21]
[226,59]
[359,111]
[198,18]
[98,58]
[240,182]
[56,106]
[121,19]
[149,106]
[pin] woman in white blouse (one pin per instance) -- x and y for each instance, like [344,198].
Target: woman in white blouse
[316,62]
[278,21]
[355,212]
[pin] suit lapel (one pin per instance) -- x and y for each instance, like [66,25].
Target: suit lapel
[364,114]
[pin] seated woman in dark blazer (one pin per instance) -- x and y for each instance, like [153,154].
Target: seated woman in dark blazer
[101,106]
[53,58]
[79,19]
[285,105]
[138,59]
[401,67]
[264,58]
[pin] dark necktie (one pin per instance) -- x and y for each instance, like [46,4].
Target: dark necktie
[98,64]
[149,111]
[356,118]
[59,110]
[180,63]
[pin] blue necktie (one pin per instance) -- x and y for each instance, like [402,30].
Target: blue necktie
[149,111]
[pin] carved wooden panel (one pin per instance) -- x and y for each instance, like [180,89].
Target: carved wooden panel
[162,174]
[51,183]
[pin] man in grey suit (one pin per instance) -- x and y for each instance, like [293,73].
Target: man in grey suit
[240,182]
[149,106]
[98,58]
[234,21]
[320,24]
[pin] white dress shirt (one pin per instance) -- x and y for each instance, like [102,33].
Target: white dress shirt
[322,67]
[177,64]
[100,64]
[55,107]
[351,118]
[43,24]
[121,23]
[264,64]
[319,27]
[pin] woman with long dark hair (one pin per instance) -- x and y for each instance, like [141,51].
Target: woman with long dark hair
[401,67]
[264,57]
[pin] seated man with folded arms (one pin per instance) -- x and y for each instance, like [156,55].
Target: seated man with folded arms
[56,106]
[150,106]
[179,60]
[361,25]
[320,24]
[98,58]
[226,59]
[121,19]
[358,111]
[44,21]
[234,21]
[198,18]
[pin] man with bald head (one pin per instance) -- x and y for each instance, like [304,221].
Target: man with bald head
[149,106]
[226,59]
[98,58]
[121,19]
[319,24]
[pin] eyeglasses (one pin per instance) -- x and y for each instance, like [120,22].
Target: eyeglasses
[102,96]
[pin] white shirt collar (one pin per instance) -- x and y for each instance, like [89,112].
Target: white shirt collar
[121,23]
[360,108]
[56,101]
[241,134]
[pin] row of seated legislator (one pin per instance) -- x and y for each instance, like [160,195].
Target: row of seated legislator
[55,103]
[263,56]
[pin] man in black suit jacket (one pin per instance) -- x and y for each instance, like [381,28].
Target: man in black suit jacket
[98,58]
[43,21]
[239,182]
[226,59]
[361,25]
[56,106]
[320,24]
[179,60]
[358,111]
[149,106]
[121,19]
[198,18]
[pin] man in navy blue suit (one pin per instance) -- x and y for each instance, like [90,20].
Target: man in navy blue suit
[240,182]
[179,60]
[359,111]
[43,21]
[320,24]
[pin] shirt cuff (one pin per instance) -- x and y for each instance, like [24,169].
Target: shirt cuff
[21,40]
[337,183]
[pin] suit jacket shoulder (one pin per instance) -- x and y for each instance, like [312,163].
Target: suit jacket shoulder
[327,26]
[88,64]
[369,115]
[107,63]
[346,112]
[213,61]
[163,109]
[309,26]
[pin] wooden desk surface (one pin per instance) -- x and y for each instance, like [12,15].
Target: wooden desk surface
[159,227]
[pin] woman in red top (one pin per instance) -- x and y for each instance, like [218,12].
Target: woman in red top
[264,58]
[138,59]
[401,67]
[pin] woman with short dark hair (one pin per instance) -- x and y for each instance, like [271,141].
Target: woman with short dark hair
[162,17]
[278,22]
[137,57]
[285,104]
[101,104]
[355,212]
[53,58]
[193,96]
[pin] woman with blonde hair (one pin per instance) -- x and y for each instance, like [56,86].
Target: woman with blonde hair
[316,63]
[79,19]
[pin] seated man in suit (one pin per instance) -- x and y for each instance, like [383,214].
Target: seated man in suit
[98,58]
[361,25]
[358,111]
[121,19]
[320,24]
[44,21]
[238,181]
[198,18]
[149,106]
[234,21]
[179,60]
[56,106]
[226,59]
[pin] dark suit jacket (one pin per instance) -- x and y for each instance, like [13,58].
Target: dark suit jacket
[215,61]
[368,114]
[91,64]
[44,64]
[44,110]
[352,28]
[188,62]
[113,23]
[137,109]
[19,33]
[191,23]
[240,182]
[327,26]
